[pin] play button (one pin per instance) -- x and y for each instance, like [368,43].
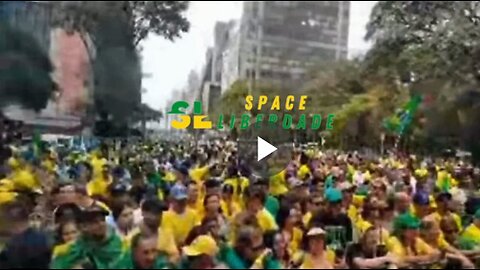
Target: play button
[264,148]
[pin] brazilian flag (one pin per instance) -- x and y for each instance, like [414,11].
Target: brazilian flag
[403,118]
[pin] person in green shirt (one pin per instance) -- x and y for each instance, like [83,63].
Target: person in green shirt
[271,203]
[143,254]
[98,246]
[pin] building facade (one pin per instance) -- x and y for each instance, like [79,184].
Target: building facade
[278,41]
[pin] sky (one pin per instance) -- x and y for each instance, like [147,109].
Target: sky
[169,63]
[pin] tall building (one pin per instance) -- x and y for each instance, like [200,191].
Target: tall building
[278,41]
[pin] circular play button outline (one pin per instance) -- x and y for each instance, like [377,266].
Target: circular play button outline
[266,149]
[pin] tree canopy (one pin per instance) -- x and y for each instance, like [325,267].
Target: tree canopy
[25,70]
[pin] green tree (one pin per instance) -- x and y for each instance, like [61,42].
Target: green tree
[24,70]
[112,32]
[433,46]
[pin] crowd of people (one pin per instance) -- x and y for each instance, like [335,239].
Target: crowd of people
[166,205]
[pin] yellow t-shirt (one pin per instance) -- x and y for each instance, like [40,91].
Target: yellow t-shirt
[24,180]
[472,232]
[363,225]
[353,213]
[180,224]
[296,242]
[97,166]
[303,171]
[7,196]
[170,177]
[165,243]
[306,218]
[278,184]
[239,184]
[6,185]
[442,243]
[308,263]
[396,247]
[235,209]
[198,174]
[98,186]
[61,249]
[266,221]
[437,217]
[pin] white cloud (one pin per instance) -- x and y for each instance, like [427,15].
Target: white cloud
[170,62]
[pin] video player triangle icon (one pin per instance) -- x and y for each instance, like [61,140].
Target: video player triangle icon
[264,148]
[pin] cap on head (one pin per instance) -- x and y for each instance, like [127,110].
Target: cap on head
[421,198]
[333,195]
[202,245]
[316,231]
[179,192]
[91,213]
[406,221]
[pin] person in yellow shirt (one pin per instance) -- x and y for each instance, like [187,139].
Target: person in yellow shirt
[367,254]
[278,184]
[371,218]
[97,162]
[23,178]
[98,186]
[421,204]
[199,173]
[229,207]
[152,212]
[67,233]
[443,209]
[255,201]
[179,219]
[406,243]
[472,232]
[317,256]
[288,220]
[432,235]
[123,220]
[239,184]
[193,200]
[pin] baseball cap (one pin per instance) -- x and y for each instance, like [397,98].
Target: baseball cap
[179,192]
[92,212]
[406,221]
[202,245]
[333,195]
[316,231]
[421,198]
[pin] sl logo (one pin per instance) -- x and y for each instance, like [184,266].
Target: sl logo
[179,107]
